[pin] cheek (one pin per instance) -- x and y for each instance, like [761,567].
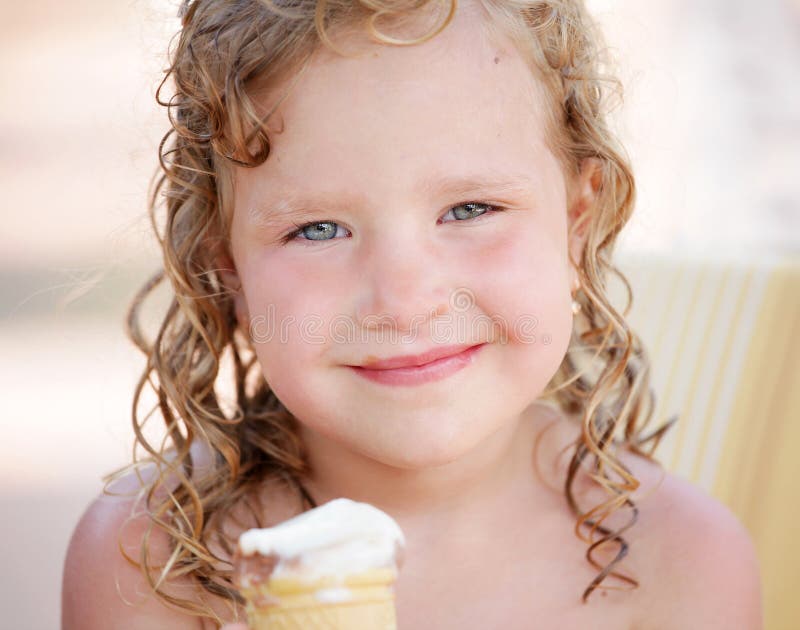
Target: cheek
[524,283]
[526,288]
[294,296]
[285,317]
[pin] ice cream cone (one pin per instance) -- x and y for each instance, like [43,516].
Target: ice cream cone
[330,568]
[363,601]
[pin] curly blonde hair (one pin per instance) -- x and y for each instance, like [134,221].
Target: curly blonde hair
[224,51]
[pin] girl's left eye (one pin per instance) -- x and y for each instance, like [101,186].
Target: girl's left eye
[327,230]
[471,210]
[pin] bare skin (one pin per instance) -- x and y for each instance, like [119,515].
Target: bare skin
[462,586]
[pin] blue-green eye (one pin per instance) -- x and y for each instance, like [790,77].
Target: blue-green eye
[470,210]
[321,231]
[327,230]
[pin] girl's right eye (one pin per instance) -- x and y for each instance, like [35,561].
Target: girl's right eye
[316,231]
[327,230]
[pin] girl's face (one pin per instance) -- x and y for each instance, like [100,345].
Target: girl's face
[437,217]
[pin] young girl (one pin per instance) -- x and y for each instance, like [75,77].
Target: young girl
[389,230]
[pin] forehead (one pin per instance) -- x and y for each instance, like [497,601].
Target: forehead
[461,103]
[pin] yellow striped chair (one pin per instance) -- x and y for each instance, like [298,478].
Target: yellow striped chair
[724,338]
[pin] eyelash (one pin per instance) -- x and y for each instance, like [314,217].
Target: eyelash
[291,236]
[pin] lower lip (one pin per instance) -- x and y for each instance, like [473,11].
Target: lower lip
[417,375]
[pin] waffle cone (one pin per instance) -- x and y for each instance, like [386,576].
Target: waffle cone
[287,604]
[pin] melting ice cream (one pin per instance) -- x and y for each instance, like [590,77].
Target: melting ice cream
[338,538]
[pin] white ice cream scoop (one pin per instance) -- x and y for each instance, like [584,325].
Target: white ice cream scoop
[338,538]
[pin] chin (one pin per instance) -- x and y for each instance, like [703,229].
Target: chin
[429,449]
[420,459]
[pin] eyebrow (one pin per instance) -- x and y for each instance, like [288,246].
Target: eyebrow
[298,203]
[484,182]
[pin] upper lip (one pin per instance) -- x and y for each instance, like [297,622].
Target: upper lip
[412,360]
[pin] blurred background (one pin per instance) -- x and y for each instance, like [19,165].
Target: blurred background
[711,119]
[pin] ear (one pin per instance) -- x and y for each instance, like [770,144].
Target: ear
[229,276]
[581,203]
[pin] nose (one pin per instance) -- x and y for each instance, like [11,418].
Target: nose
[403,287]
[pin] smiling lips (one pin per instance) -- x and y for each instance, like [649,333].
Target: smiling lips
[430,366]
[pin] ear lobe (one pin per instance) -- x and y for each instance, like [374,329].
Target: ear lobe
[226,269]
[585,191]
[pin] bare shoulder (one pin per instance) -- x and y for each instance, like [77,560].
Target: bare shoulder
[101,589]
[703,567]
[694,559]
